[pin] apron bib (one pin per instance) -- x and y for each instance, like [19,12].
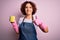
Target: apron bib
[27,31]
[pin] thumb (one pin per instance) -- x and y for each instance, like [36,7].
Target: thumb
[36,17]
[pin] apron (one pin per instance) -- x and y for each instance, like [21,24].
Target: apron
[27,31]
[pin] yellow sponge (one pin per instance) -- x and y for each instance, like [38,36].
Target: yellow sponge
[12,18]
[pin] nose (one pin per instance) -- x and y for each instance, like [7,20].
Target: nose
[28,9]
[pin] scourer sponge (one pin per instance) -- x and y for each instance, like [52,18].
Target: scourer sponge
[12,19]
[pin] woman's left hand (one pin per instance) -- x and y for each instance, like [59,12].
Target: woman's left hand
[41,25]
[37,21]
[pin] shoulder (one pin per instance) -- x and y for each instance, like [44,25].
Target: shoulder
[20,20]
[34,17]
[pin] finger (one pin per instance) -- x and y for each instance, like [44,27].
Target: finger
[36,17]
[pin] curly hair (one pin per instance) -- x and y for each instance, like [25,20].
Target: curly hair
[24,5]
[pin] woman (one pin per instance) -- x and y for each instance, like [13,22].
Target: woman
[26,29]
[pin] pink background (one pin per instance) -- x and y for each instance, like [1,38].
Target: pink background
[47,10]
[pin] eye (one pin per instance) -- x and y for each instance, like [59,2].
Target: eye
[30,7]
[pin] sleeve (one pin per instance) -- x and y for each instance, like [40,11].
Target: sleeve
[20,21]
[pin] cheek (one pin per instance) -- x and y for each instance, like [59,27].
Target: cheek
[31,10]
[25,10]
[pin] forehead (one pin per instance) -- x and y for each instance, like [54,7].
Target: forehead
[28,4]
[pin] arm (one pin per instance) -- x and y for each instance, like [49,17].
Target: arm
[14,24]
[15,27]
[41,25]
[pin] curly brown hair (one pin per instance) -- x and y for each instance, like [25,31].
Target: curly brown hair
[24,5]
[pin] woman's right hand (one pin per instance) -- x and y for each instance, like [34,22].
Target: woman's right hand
[14,24]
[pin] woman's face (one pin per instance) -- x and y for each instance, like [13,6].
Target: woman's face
[28,9]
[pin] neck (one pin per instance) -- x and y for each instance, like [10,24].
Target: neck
[28,16]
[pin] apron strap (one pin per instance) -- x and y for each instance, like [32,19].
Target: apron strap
[23,19]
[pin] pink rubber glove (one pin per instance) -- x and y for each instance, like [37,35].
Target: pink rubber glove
[15,26]
[41,25]
[37,21]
